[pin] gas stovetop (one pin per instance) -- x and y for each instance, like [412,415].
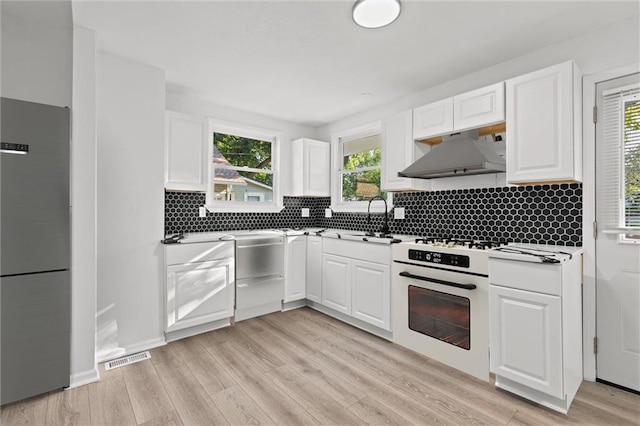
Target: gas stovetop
[458,243]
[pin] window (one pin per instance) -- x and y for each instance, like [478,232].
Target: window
[357,168]
[243,169]
[631,163]
[620,162]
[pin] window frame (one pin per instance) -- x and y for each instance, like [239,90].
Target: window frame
[250,132]
[337,141]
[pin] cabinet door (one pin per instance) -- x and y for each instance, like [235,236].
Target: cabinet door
[314,268]
[317,168]
[525,338]
[336,283]
[295,270]
[540,126]
[397,154]
[371,293]
[198,293]
[481,107]
[186,153]
[433,119]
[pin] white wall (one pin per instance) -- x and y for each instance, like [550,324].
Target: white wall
[198,107]
[130,104]
[36,61]
[83,209]
[602,49]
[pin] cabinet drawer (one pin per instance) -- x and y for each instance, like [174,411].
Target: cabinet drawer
[352,249]
[254,292]
[198,252]
[538,277]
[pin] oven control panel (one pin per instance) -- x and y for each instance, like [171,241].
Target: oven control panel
[459,260]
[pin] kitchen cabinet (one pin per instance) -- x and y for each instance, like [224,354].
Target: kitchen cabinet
[186,164]
[311,168]
[544,121]
[336,283]
[199,284]
[399,151]
[314,268]
[295,259]
[433,119]
[356,280]
[371,293]
[535,329]
[477,108]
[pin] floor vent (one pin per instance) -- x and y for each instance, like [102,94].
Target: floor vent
[121,362]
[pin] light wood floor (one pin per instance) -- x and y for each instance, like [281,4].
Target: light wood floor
[302,367]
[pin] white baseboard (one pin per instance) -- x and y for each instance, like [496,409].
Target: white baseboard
[132,349]
[84,378]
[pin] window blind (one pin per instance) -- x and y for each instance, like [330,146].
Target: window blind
[619,161]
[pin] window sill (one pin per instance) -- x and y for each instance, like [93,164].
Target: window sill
[245,208]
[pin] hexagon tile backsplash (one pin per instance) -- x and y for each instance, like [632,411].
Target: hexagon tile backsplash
[545,214]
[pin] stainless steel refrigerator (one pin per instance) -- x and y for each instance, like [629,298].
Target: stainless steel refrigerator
[35,281]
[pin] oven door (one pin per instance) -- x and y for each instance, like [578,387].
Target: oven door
[442,315]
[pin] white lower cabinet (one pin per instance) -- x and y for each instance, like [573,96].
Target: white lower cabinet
[535,329]
[356,280]
[526,344]
[336,283]
[295,258]
[199,292]
[371,293]
[314,268]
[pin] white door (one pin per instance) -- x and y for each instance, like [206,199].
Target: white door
[295,268]
[314,268]
[198,293]
[336,283]
[618,238]
[371,293]
[526,341]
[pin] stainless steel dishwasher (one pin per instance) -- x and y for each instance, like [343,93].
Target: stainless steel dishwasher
[259,274]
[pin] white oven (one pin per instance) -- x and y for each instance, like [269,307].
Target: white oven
[440,304]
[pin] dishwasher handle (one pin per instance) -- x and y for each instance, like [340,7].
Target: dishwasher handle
[437,281]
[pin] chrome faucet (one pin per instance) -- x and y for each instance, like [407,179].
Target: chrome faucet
[385,227]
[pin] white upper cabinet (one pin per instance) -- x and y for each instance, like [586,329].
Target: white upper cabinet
[185,165]
[433,119]
[478,108]
[544,126]
[311,168]
[398,152]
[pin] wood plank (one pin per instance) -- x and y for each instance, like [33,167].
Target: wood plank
[70,407]
[165,354]
[169,419]
[193,404]
[30,411]
[281,347]
[210,373]
[240,364]
[108,374]
[388,396]
[334,385]
[315,401]
[109,403]
[189,347]
[239,409]
[276,404]
[148,397]
[608,398]
[373,412]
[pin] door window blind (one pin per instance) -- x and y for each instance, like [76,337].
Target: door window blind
[620,157]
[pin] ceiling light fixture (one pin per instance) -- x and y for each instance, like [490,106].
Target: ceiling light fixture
[375,13]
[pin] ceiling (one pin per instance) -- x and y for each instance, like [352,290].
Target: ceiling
[308,63]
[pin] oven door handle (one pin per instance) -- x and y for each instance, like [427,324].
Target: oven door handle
[436,281]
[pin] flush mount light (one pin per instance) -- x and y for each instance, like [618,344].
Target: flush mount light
[375,13]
